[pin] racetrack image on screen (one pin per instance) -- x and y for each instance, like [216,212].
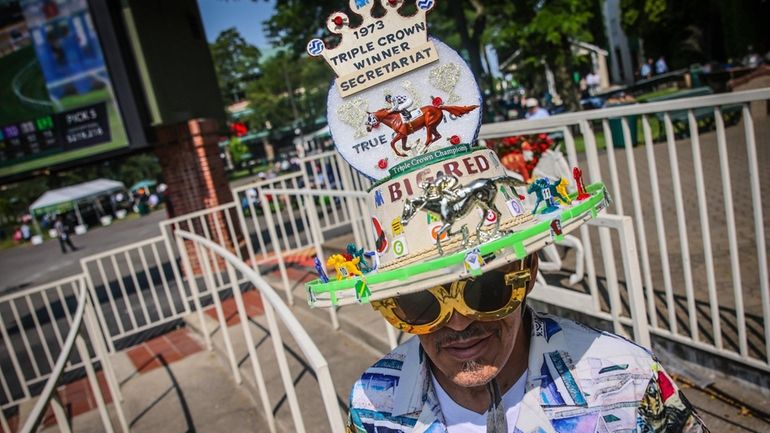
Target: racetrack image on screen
[56,99]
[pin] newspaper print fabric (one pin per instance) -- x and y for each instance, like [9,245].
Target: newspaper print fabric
[581,380]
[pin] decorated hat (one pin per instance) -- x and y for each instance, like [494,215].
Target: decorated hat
[405,111]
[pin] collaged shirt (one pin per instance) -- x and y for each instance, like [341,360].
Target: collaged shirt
[580,380]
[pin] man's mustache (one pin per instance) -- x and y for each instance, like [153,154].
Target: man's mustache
[476,329]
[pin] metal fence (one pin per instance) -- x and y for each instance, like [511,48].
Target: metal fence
[697,163]
[61,312]
[276,312]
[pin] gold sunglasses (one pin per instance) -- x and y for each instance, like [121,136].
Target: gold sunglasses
[491,296]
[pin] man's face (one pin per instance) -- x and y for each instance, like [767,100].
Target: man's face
[471,353]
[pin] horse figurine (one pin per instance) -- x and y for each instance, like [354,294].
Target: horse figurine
[430,118]
[451,205]
[546,191]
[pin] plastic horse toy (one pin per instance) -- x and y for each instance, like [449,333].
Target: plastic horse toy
[359,254]
[561,187]
[345,268]
[545,191]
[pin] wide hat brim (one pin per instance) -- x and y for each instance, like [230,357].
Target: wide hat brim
[451,267]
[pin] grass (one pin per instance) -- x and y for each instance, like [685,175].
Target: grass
[657,94]
[239,174]
[12,109]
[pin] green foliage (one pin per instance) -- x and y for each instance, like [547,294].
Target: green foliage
[543,31]
[690,31]
[238,150]
[236,62]
[291,91]
[16,198]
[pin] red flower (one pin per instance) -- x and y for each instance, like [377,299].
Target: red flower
[455,139]
[542,136]
[437,101]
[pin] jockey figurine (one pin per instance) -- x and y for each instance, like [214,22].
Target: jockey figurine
[401,104]
[441,185]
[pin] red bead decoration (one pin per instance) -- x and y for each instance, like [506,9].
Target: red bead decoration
[382,164]
[455,139]
[337,21]
[392,2]
[437,101]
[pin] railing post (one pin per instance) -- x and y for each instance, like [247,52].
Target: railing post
[244,319]
[276,243]
[97,305]
[194,291]
[3,421]
[610,273]
[759,228]
[208,277]
[93,381]
[58,412]
[634,278]
[97,341]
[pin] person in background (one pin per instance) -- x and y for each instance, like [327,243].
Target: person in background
[62,233]
[535,111]
[593,81]
[646,69]
[660,66]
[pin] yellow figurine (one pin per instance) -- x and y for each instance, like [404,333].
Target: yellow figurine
[561,187]
[345,268]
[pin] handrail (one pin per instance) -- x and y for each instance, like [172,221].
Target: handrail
[492,130]
[45,396]
[316,192]
[15,295]
[303,340]
[75,340]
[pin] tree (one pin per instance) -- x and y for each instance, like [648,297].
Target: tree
[543,31]
[460,23]
[236,62]
[238,150]
[291,91]
[690,31]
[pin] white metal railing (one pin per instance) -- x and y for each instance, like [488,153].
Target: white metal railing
[81,326]
[135,287]
[674,289]
[275,310]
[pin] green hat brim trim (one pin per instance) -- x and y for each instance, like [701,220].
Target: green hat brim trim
[514,240]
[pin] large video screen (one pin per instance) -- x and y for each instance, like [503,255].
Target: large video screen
[56,99]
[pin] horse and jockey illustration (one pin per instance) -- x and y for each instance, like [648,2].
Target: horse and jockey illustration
[397,117]
[450,201]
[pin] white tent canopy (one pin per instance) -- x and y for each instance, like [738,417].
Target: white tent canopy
[63,199]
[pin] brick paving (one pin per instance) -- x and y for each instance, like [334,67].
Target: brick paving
[251,302]
[166,348]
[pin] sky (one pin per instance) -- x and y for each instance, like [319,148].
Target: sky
[245,15]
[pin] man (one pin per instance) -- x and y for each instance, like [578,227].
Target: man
[646,70]
[401,104]
[534,111]
[593,81]
[661,67]
[518,371]
[63,235]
